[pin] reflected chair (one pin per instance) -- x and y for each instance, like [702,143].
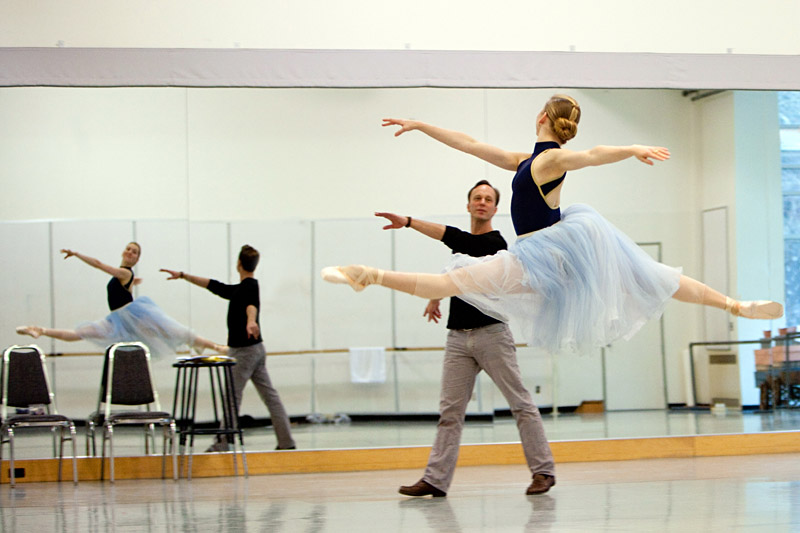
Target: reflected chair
[128,381]
[25,386]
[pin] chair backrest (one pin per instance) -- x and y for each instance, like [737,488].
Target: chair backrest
[24,379]
[127,377]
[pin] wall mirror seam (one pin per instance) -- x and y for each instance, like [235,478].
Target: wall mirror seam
[192,174]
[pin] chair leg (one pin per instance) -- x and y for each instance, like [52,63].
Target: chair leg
[90,429]
[60,448]
[12,479]
[111,450]
[3,440]
[103,456]
[233,455]
[55,441]
[148,439]
[163,451]
[73,437]
[189,463]
[153,438]
[174,448]
[244,454]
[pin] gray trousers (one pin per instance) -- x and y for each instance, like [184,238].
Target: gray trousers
[251,365]
[491,349]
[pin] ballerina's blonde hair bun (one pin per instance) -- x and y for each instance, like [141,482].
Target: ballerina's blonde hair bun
[565,113]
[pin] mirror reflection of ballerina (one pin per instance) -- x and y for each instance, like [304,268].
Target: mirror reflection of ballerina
[572,280]
[130,319]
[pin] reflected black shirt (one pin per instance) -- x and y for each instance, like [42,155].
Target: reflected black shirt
[241,296]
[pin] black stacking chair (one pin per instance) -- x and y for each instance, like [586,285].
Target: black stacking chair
[25,386]
[128,381]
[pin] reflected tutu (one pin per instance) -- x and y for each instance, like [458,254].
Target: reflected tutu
[141,320]
[573,286]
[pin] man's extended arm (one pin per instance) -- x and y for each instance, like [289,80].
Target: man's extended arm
[195,280]
[431,229]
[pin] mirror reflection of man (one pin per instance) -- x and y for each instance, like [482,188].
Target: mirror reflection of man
[476,342]
[245,342]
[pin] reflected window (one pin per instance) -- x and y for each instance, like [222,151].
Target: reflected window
[789,112]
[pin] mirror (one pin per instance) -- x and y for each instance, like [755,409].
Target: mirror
[192,174]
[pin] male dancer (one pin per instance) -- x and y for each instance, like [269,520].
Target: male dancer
[476,342]
[244,340]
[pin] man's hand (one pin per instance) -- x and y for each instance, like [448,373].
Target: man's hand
[173,274]
[432,311]
[396,221]
[252,330]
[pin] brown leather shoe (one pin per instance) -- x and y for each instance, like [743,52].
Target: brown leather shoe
[421,488]
[541,484]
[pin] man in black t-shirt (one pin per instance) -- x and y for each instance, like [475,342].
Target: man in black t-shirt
[476,342]
[245,343]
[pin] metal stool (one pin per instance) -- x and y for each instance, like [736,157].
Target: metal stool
[223,400]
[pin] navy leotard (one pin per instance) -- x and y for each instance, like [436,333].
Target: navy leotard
[529,211]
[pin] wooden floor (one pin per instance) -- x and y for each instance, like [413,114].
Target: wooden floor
[750,493]
[628,480]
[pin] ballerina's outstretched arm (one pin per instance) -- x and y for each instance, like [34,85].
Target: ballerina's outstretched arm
[461,141]
[122,274]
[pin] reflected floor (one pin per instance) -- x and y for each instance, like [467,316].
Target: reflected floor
[752,493]
[564,427]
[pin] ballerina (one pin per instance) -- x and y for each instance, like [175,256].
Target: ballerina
[130,319]
[572,279]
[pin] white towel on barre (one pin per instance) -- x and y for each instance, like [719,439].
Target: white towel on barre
[368,365]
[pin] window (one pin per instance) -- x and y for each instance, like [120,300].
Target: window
[789,113]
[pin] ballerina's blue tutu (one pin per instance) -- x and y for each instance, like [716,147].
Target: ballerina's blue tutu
[141,320]
[578,284]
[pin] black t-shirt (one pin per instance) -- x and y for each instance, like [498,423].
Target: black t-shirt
[463,315]
[241,296]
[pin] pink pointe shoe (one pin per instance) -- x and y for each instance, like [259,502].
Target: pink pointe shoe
[357,276]
[33,331]
[760,309]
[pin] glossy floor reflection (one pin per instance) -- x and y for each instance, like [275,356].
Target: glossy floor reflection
[617,424]
[749,493]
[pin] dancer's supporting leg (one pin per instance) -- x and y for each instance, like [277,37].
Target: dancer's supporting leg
[692,291]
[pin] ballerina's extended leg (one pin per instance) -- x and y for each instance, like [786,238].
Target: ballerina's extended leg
[33,331]
[61,334]
[692,291]
[427,286]
[357,276]
[199,344]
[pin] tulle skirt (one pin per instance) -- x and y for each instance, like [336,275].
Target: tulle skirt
[573,286]
[141,320]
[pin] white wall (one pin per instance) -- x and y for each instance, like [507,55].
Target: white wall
[248,154]
[681,26]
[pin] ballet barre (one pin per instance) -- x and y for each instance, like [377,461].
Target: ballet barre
[293,352]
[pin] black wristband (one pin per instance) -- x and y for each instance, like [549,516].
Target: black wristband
[408,224]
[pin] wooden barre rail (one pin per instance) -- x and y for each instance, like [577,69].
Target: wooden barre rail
[290,352]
